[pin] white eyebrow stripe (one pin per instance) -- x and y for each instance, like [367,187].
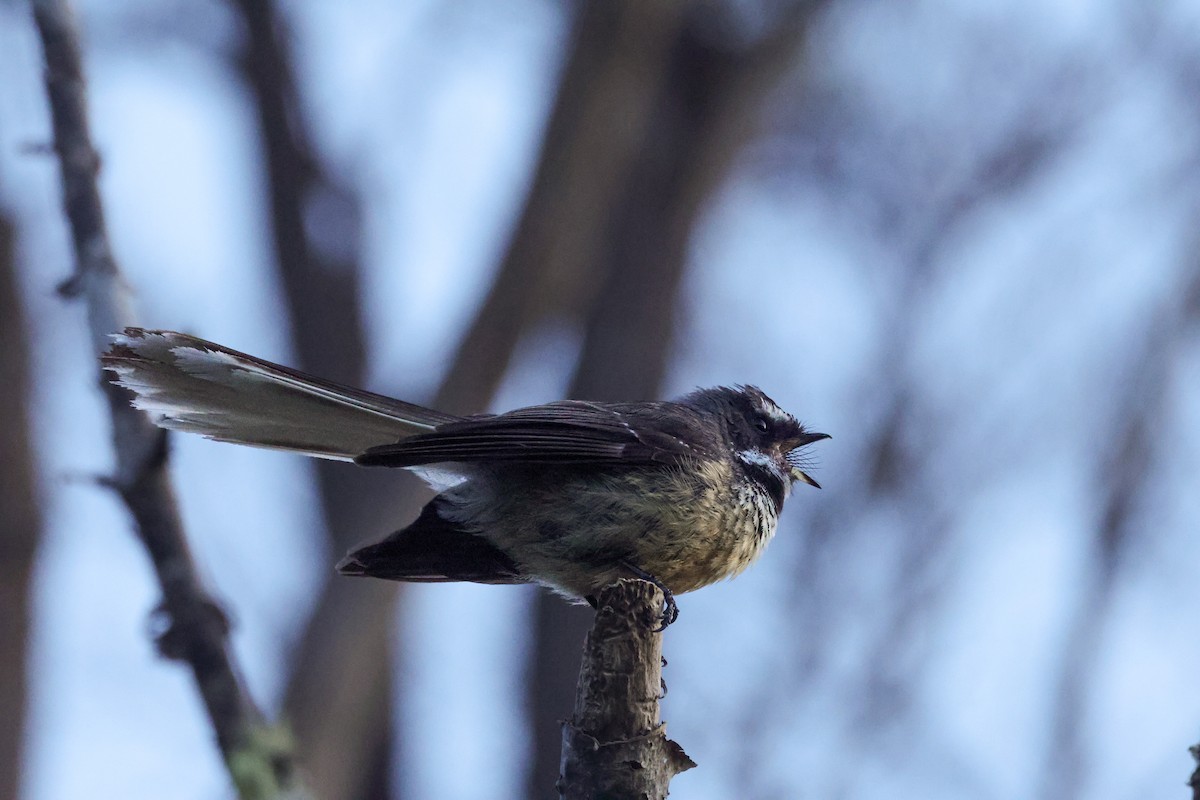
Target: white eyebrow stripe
[776,413]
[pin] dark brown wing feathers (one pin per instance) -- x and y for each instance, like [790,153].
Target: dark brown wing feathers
[566,432]
[432,550]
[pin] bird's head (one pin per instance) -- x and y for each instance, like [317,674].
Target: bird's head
[762,435]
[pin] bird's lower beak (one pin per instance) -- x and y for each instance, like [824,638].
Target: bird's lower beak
[795,459]
[804,476]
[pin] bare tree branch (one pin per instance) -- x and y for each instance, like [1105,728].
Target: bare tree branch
[615,745]
[194,629]
[21,522]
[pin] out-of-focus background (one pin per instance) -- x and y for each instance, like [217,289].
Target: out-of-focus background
[959,236]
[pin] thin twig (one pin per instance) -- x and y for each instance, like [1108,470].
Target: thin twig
[193,629]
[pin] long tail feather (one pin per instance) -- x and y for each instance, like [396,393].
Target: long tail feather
[190,384]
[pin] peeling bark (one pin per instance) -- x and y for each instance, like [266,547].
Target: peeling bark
[615,746]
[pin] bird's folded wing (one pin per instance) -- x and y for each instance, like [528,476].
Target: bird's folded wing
[567,432]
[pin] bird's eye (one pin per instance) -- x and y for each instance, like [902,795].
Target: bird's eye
[761,423]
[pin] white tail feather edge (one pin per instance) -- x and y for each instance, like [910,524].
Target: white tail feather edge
[189,384]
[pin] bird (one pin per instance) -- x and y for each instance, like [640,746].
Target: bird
[572,495]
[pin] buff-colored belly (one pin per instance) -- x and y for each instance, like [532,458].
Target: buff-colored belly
[717,543]
[685,532]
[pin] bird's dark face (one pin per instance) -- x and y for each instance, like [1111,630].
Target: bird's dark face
[767,442]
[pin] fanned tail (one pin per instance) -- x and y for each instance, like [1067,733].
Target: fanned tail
[190,384]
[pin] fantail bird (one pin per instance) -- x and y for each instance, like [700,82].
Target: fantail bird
[571,495]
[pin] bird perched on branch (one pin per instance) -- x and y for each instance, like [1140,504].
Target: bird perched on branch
[571,495]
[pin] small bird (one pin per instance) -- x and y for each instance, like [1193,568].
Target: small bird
[572,495]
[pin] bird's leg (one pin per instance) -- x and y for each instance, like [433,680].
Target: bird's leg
[670,609]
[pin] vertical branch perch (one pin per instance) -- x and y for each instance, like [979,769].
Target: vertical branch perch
[614,744]
[193,628]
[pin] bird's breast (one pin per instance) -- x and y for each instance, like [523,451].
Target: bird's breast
[715,526]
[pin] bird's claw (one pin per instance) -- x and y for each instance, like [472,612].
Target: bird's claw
[670,611]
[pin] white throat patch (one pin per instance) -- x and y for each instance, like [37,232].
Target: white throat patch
[760,459]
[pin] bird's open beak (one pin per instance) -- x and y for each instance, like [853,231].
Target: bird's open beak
[808,438]
[804,476]
[795,459]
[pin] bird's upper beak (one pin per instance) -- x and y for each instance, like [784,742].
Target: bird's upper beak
[795,459]
[807,438]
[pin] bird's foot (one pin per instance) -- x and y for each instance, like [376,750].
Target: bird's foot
[670,611]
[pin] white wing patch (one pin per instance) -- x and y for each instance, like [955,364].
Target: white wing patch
[441,477]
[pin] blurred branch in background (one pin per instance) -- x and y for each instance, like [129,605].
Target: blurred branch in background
[698,92]
[904,472]
[894,460]
[1125,457]
[996,171]
[591,143]
[1153,36]
[339,692]
[21,520]
[194,628]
